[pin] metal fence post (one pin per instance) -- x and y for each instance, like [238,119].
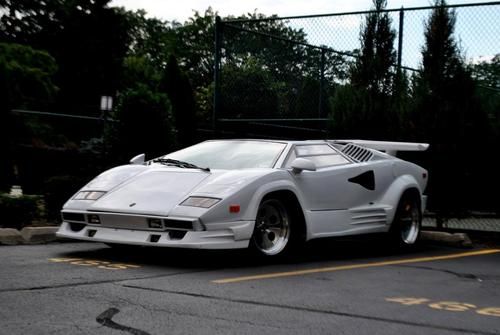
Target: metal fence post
[321,81]
[400,37]
[217,67]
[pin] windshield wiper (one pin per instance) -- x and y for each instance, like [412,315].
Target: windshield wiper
[175,162]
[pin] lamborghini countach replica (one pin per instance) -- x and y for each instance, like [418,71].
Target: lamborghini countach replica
[270,196]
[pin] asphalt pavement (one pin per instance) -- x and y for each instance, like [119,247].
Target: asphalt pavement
[333,287]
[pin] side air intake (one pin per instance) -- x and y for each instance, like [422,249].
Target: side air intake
[357,153]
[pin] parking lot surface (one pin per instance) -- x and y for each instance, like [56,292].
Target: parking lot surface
[332,287]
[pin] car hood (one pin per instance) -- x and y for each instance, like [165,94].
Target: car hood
[156,191]
[152,192]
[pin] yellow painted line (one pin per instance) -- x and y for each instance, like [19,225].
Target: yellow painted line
[355,266]
[95,263]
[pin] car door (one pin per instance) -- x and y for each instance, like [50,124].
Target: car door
[336,186]
[337,182]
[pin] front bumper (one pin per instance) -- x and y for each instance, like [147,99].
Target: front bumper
[228,235]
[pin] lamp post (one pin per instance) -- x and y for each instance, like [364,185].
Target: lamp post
[106,107]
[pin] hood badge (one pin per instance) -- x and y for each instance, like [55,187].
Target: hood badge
[132,204]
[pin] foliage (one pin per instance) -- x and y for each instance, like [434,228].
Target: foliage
[143,124]
[138,69]
[18,212]
[364,107]
[242,100]
[26,80]
[374,68]
[281,58]
[88,40]
[150,38]
[447,113]
[487,76]
[193,47]
[26,75]
[487,73]
[176,84]
[57,190]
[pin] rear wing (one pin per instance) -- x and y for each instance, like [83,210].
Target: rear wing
[390,148]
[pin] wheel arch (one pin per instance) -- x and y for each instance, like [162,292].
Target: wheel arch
[405,185]
[410,192]
[282,191]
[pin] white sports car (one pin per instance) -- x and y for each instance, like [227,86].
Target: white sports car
[268,195]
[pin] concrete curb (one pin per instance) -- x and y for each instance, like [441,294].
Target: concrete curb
[28,235]
[460,240]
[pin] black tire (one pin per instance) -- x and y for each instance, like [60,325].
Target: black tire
[278,230]
[407,223]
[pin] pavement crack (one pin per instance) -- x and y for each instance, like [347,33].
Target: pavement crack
[105,319]
[95,282]
[457,274]
[313,310]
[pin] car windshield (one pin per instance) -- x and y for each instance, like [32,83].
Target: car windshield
[230,155]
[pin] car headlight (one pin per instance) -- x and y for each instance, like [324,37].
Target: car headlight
[203,202]
[89,195]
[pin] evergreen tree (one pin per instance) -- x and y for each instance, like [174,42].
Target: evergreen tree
[176,84]
[374,68]
[447,113]
[371,82]
[142,124]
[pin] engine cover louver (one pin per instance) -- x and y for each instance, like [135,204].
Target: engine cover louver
[357,153]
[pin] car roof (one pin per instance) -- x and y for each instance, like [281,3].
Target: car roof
[273,141]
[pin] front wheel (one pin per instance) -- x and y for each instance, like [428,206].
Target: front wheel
[279,227]
[405,229]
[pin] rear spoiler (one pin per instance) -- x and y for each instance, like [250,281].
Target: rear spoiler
[390,148]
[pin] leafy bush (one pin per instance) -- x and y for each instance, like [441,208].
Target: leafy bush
[57,190]
[18,212]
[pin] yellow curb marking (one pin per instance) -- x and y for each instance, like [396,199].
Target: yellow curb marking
[96,263]
[354,266]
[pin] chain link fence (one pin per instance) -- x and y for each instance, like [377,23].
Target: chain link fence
[278,75]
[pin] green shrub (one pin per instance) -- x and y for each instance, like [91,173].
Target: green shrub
[57,190]
[18,212]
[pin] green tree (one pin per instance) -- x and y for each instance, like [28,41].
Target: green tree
[139,69]
[26,79]
[447,113]
[142,124]
[400,107]
[374,69]
[487,76]
[249,91]
[369,113]
[151,38]
[176,84]
[87,38]
[26,76]
[487,73]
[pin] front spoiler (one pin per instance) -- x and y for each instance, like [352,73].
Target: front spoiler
[235,235]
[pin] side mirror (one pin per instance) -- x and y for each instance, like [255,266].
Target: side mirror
[138,160]
[301,164]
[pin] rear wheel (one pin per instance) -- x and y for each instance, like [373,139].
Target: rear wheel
[277,228]
[405,229]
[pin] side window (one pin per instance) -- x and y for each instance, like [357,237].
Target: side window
[321,154]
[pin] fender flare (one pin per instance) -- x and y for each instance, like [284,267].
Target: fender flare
[395,192]
[276,186]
